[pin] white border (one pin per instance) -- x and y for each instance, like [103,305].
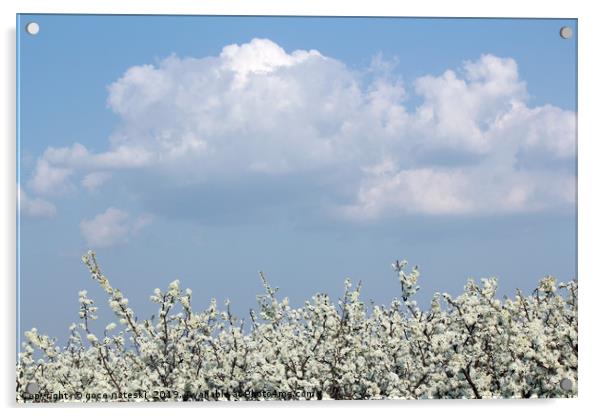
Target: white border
[590,152]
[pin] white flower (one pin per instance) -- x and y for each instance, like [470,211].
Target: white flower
[395,351]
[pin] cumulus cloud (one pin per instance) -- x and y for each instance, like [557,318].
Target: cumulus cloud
[471,145]
[111,227]
[34,207]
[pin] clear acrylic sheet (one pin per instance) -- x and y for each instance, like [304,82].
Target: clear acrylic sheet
[318,207]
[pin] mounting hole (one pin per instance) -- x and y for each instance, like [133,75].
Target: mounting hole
[32,388]
[566,32]
[566,384]
[32,28]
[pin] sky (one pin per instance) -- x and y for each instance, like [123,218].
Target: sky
[314,149]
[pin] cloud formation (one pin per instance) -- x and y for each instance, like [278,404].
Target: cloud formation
[111,227]
[472,145]
[95,179]
[34,207]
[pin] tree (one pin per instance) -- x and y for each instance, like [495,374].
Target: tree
[471,346]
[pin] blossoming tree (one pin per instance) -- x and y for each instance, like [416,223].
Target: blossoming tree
[471,346]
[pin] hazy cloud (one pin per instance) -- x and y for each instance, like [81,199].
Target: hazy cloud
[34,207]
[95,179]
[111,227]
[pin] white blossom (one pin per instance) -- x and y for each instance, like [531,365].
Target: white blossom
[470,346]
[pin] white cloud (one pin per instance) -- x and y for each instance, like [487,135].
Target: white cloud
[56,166]
[546,129]
[458,111]
[34,207]
[260,56]
[95,179]
[255,108]
[111,227]
[480,190]
[49,178]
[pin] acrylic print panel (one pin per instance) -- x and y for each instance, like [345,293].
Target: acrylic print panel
[206,161]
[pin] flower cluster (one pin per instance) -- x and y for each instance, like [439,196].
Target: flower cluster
[471,346]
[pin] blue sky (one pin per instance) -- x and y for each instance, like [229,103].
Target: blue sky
[314,149]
